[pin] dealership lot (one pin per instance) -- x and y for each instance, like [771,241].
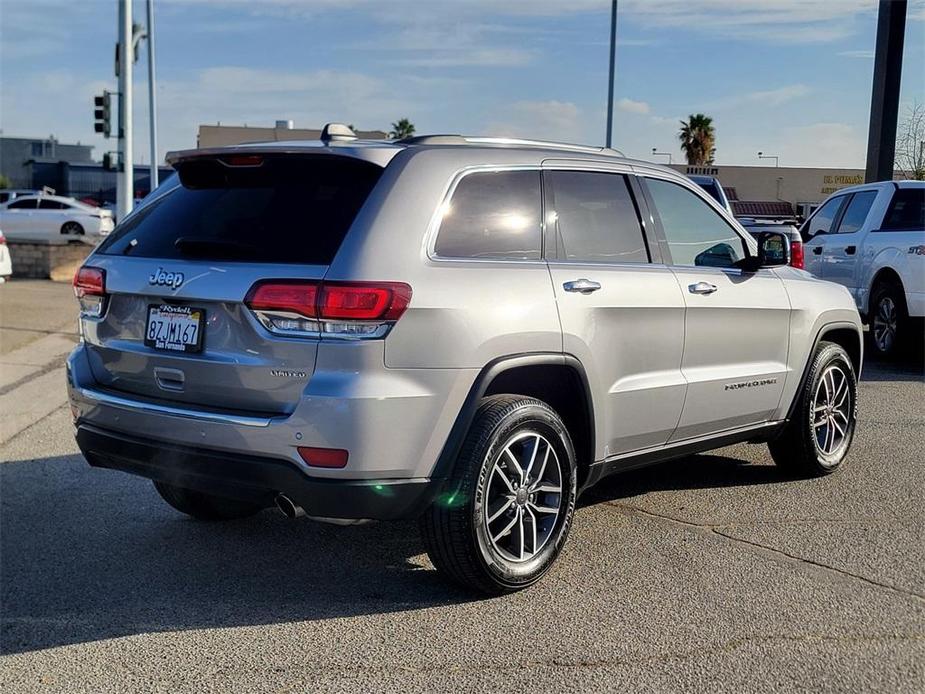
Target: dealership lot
[714,572]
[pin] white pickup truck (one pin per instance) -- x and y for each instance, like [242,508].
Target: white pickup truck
[871,238]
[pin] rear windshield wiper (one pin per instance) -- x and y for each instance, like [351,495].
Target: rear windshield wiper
[205,246]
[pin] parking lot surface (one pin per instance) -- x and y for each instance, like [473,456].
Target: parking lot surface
[711,573]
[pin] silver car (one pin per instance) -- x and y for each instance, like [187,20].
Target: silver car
[464,330]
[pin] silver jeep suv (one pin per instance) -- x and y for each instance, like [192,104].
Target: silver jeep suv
[463,330]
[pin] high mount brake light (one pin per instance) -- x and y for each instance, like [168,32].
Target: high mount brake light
[338,309]
[242,160]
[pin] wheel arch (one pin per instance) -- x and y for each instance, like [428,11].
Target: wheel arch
[848,337]
[885,275]
[556,379]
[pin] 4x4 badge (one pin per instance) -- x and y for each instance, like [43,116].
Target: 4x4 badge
[166,279]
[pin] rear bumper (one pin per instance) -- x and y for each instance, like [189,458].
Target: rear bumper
[253,478]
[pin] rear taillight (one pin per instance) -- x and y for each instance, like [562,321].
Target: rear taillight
[336,309]
[2,240]
[796,254]
[90,290]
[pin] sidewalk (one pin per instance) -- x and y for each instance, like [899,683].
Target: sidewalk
[38,327]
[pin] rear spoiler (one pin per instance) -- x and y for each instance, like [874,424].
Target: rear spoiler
[371,151]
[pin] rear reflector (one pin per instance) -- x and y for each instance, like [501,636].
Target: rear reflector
[89,281]
[796,254]
[323,457]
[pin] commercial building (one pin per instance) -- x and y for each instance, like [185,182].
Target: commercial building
[226,135]
[778,191]
[16,154]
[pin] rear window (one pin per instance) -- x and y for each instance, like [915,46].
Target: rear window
[285,210]
[493,215]
[907,211]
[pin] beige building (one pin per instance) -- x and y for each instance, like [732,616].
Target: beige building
[802,188]
[225,135]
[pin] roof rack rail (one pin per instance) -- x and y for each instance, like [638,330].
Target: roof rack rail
[468,140]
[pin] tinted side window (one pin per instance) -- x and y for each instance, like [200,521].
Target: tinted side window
[22,205]
[821,222]
[493,214]
[52,205]
[696,234]
[594,218]
[856,212]
[907,211]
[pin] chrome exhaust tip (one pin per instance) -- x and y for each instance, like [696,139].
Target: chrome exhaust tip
[288,507]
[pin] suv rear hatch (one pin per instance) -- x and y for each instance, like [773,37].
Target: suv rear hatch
[174,323]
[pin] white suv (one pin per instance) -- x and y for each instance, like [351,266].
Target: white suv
[871,239]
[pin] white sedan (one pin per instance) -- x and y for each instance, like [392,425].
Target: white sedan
[33,217]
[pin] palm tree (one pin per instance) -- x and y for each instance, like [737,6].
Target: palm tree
[698,139]
[402,128]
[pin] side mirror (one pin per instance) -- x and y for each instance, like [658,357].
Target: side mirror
[773,250]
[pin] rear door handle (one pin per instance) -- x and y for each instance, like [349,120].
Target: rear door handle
[582,286]
[817,250]
[701,288]
[851,250]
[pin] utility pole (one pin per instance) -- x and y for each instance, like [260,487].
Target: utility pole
[125,180]
[613,66]
[152,99]
[884,100]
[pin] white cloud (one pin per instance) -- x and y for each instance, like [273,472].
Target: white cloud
[868,54]
[545,120]
[776,97]
[631,106]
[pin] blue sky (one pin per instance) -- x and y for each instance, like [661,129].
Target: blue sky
[789,77]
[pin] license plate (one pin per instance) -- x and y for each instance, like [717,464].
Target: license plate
[174,328]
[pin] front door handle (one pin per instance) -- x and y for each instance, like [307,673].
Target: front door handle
[582,286]
[701,288]
[851,250]
[817,250]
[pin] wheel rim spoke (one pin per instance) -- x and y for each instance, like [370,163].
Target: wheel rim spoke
[523,497]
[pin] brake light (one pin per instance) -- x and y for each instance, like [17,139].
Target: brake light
[2,240]
[324,457]
[243,160]
[296,297]
[90,290]
[364,301]
[89,281]
[338,309]
[796,254]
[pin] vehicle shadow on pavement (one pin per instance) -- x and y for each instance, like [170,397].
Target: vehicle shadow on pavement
[91,554]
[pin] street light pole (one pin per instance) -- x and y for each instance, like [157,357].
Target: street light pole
[152,99]
[656,153]
[613,66]
[762,155]
[126,178]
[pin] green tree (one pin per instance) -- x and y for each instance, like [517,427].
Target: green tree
[4,181]
[401,128]
[698,139]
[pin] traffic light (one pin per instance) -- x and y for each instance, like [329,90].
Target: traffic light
[102,114]
[109,162]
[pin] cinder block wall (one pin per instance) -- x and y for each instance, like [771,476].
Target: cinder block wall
[47,260]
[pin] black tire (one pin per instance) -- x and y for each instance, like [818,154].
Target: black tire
[72,229]
[798,449]
[205,507]
[456,526]
[888,319]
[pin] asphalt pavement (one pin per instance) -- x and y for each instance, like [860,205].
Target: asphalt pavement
[711,573]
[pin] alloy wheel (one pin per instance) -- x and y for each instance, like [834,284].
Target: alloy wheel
[523,497]
[885,324]
[832,410]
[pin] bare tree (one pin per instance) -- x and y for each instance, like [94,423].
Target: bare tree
[910,143]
